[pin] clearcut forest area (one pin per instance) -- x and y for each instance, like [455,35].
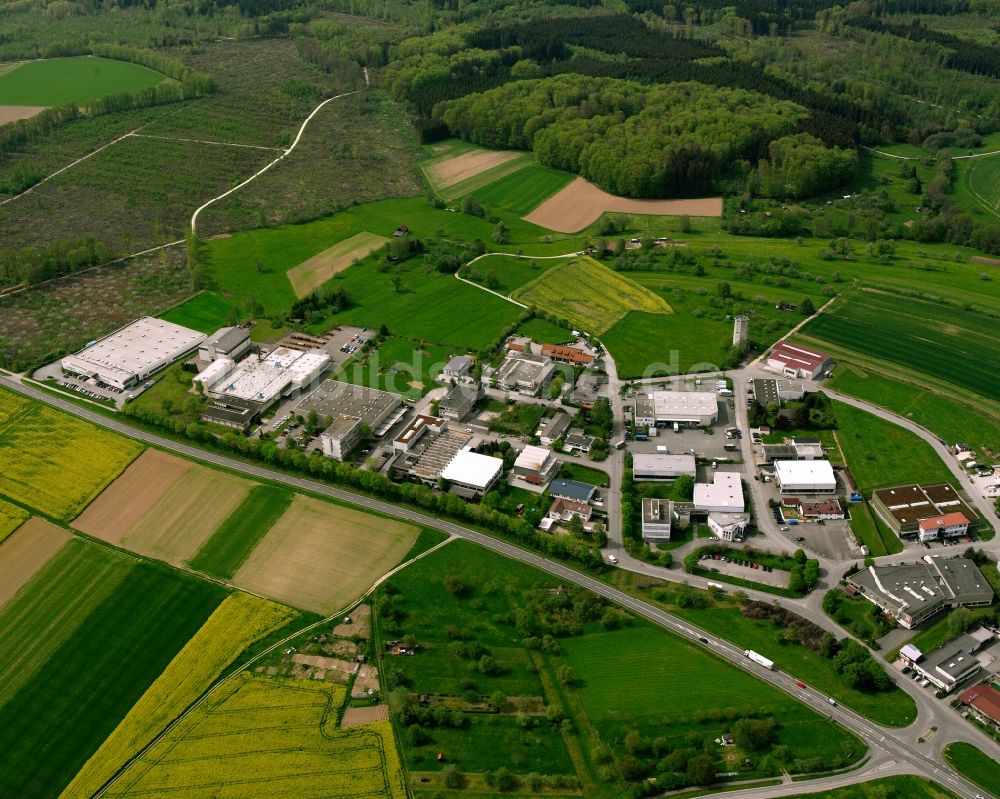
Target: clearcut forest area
[515,222]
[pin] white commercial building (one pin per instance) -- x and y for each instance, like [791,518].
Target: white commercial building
[131,354]
[472,473]
[536,465]
[723,495]
[283,372]
[662,467]
[729,526]
[657,519]
[805,477]
[686,408]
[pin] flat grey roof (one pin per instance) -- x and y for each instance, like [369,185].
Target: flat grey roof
[334,398]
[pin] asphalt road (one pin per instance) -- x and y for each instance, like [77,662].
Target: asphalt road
[883,743]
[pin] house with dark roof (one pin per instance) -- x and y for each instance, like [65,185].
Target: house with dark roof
[562,488]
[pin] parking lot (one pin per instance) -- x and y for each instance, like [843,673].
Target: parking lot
[691,440]
[88,387]
[745,570]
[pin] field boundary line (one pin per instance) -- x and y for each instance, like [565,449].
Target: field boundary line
[507,297]
[247,664]
[204,141]
[259,172]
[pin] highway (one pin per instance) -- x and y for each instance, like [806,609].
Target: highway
[889,753]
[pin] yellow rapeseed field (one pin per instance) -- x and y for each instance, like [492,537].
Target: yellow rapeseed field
[239,621]
[11,517]
[588,295]
[268,736]
[53,462]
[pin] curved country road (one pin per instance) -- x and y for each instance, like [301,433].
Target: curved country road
[886,752]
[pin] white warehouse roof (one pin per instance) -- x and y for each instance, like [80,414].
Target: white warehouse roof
[724,494]
[472,469]
[263,380]
[668,465]
[802,475]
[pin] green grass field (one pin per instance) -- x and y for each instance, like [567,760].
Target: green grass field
[975,765]
[589,295]
[56,463]
[443,151]
[585,474]
[510,272]
[643,678]
[224,552]
[401,366]
[880,454]
[959,347]
[57,81]
[871,532]
[980,177]
[545,332]
[205,313]
[260,736]
[949,418]
[524,190]
[645,344]
[55,722]
[722,617]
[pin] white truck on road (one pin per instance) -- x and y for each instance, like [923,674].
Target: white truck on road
[756,657]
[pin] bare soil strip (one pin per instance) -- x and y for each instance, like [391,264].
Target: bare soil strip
[320,556]
[187,514]
[581,204]
[33,545]
[123,503]
[454,170]
[314,272]
[356,716]
[12,113]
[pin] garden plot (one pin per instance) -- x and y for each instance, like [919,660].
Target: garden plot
[320,556]
[581,204]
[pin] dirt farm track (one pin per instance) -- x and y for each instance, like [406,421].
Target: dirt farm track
[581,204]
[12,113]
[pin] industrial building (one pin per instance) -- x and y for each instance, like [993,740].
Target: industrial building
[340,438]
[426,458]
[795,449]
[805,477]
[282,373]
[729,526]
[914,592]
[723,495]
[950,665]
[552,428]
[536,465]
[459,402]
[646,467]
[458,368]
[379,410]
[472,474]
[414,431]
[923,512]
[564,354]
[133,353]
[226,342]
[657,519]
[523,372]
[684,408]
[770,391]
[794,360]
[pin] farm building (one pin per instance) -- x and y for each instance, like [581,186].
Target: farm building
[923,512]
[133,353]
[950,665]
[226,342]
[662,467]
[794,360]
[523,372]
[578,441]
[281,373]
[983,701]
[723,495]
[459,402]
[536,465]
[572,489]
[564,354]
[729,526]
[805,477]
[458,368]
[685,408]
[770,391]
[914,592]
[472,474]
[657,519]
[426,458]
[552,428]
[378,410]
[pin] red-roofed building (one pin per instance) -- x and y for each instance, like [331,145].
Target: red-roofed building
[983,702]
[948,524]
[574,355]
[794,360]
